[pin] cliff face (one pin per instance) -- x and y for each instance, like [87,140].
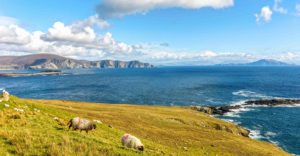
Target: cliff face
[49,61]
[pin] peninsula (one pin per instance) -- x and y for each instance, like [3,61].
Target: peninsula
[51,61]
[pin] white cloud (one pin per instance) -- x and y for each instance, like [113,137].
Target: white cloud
[60,32]
[297,10]
[90,22]
[266,14]
[276,7]
[6,21]
[78,39]
[81,41]
[13,34]
[298,7]
[79,31]
[118,8]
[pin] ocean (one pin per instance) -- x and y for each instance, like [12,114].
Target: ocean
[179,86]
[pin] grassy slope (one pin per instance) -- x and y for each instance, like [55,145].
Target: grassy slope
[163,130]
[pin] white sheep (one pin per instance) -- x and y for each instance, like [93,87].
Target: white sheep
[132,142]
[97,121]
[5,95]
[6,105]
[18,110]
[82,124]
[37,110]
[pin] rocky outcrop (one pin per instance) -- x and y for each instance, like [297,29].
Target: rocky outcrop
[238,130]
[273,102]
[49,61]
[213,110]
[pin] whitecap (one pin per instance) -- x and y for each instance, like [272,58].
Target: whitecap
[251,94]
[241,102]
[232,114]
[293,105]
[232,121]
[255,134]
[271,134]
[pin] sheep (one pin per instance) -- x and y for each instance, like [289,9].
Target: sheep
[82,124]
[97,121]
[132,142]
[5,95]
[6,105]
[18,110]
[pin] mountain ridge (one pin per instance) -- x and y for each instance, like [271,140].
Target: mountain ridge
[261,62]
[51,61]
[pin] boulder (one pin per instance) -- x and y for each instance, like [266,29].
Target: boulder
[205,109]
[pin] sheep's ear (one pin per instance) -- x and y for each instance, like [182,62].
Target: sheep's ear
[141,148]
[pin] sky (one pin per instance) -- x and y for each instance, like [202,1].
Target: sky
[161,32]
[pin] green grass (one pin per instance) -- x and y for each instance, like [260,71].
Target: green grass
[163,130]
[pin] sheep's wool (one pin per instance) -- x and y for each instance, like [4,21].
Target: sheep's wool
[5,95]
[131,141]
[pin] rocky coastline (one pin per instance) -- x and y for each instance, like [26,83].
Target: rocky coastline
[211,110]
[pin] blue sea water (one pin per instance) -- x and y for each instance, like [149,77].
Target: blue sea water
[178,86]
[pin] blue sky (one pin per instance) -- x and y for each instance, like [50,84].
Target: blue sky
[161,32]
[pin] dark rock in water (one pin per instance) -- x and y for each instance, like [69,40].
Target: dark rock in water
[273,102]
[214,110]
[226,109]
[204,109]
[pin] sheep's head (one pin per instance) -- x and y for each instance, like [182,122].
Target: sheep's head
[141,148]
[94,126]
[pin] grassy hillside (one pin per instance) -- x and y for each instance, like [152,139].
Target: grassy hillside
[163,130]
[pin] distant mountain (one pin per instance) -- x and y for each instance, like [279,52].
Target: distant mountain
[50,61]
[262,62]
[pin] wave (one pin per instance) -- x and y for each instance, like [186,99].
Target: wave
[293,105]
[236,112]
[241,102]
[255,134]
[250,94]
[232,121]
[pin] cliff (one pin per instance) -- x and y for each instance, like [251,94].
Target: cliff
[50,61]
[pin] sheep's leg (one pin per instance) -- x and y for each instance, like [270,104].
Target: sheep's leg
[87,131]
[70,126]
[80,130]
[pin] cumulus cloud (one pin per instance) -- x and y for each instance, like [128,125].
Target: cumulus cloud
[276,7]
[78,39]
[60,32]
[265,14]
[13,34]
[118,8]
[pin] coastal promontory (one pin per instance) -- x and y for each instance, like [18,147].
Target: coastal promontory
[51,61]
